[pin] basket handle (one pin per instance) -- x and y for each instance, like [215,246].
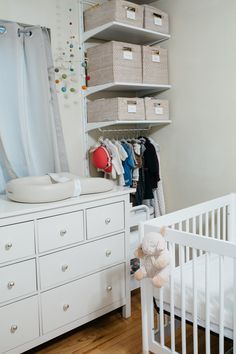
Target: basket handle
[127,49]
[130,8]
[157,15]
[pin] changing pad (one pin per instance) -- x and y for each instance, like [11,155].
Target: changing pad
[54,187]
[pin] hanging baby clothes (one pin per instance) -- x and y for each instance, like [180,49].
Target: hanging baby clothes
[149,190]
[151,170]
[159,199]
[139,195]
[138,160]
[123,154]
[118,170]
[128,165]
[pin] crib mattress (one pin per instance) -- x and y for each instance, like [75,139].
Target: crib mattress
[213,287]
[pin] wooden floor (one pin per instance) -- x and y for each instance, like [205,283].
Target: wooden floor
[112,334]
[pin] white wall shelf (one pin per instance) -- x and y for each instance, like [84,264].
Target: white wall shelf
[141,89]
[139,125]
[121,32]
[140,2]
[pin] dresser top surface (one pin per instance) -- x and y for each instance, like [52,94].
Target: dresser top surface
[9,208]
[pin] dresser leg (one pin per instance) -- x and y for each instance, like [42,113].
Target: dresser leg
[126,309]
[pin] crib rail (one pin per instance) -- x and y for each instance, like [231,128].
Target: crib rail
[211,219]
[193,257]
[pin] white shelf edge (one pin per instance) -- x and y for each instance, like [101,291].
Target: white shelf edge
[97,125]
[125,86]
[92,33]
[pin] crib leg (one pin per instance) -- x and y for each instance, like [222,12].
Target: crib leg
[146,301]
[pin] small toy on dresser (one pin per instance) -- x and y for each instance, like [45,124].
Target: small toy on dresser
[155,259]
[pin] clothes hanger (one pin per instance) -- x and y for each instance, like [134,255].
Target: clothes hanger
[101,139]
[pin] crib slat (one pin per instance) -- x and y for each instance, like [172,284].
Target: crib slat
[162,330]
[200,230]
[194,225]
[187,248]
[234,326]
[221,296]
[180,229]
[207,224]
[200,224]
[187,225]
[172,304]
[218,223]
[224,223]
[213,223]
[207,308]
[195,329]
[183,321]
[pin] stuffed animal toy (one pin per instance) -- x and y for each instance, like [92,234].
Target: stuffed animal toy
[155,259]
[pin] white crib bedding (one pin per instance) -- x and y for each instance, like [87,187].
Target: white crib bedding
[213,291]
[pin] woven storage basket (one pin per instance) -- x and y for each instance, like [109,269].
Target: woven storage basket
[113,10]
[155,65]
[156,109]
[118,108]
[155,20]
[114,61]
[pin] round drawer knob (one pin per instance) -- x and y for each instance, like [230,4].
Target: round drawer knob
[63,232]
[8,246]
[107,221]
[108,253]
[66,307]
[11,284]
[64,267]
[109,288]
[14,328]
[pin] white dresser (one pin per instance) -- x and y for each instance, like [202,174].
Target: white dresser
[61,265]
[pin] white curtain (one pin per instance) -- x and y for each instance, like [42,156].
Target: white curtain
[31,138]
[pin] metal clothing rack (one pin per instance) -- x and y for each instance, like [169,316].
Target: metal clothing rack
[123,130]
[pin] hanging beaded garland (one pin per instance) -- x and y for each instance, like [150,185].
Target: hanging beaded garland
[65,75]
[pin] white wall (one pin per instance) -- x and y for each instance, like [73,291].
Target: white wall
[55,14]
[199,147]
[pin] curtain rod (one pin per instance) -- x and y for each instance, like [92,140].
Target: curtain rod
[27,33]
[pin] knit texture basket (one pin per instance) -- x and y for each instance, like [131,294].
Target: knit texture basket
[155,65]
[114,61]
[113,10]
[155,19]
[118,108]
[156,109]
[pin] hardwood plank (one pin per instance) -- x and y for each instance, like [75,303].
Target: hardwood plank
[108,334]
[112,334]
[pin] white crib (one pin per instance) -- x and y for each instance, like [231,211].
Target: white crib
[201,292]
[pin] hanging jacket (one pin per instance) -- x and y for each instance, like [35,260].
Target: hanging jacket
[151,169]
[128,165]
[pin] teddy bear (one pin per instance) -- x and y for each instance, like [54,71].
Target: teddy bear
[155,259]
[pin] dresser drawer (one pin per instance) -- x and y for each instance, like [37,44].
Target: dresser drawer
[61,230]
[17,280]
[16,241]
[105,219]
[68,264]
[19,323]
[70,302]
